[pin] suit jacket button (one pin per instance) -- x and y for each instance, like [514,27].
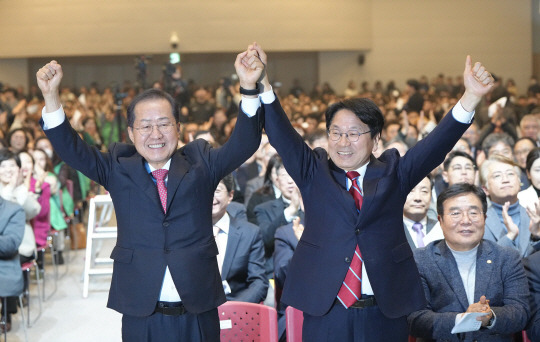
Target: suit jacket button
[166,224]
[357,231]
[347,260]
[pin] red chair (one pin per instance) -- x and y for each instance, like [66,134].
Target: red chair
[294,320]
[412,339]
[524,336]
[240,321]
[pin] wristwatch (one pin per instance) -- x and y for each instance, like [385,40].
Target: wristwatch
[250,91]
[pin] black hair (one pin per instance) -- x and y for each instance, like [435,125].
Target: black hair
[228,181]
[151,94]
[460,189]
[7,154]
[454,154]
[365,109]
[531,158]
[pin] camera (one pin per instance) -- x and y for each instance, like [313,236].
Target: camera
[174,40]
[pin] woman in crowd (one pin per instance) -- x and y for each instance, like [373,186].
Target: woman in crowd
[529,197]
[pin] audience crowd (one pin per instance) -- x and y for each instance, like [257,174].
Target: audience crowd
[500,153]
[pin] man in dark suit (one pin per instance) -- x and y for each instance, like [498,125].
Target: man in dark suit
[273,214]
[466,275]
[166,281]
[532,269]
[286,240]
[416,222]
[343,228]
[241,251]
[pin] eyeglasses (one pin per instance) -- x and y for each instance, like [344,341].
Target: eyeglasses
[498,176]
[353,136]
[163,128]
[473,214]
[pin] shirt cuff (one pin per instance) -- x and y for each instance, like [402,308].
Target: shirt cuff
[250,105]
[53,119]
[268,96]
[287,217]
[461,115]
[493,320]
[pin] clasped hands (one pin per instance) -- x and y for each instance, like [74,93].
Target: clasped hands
[482,306]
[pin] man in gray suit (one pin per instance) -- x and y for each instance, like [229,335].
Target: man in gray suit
[415,219]
[508,223]
[464,275]
[241,251]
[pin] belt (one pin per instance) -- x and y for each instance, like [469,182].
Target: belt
[170,308]
[364,302]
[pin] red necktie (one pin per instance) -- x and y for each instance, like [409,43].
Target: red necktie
[160,176]
[351,289]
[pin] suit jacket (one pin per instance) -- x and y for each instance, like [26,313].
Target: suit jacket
[499,276]
[496,231]
[237,210]
[11,234]
[270,217]
[532,269]
[333,226]
[243,265]
[430,224]
[149,240]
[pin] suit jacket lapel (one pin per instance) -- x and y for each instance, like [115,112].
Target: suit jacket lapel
[524,235]
[494,224]
[484,270]
[430,224]
[373,174]
[134,167]
[409,237]
[178,169]
[447,264]
[233,239]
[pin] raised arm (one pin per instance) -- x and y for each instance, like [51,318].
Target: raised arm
[48,79]
[478,82]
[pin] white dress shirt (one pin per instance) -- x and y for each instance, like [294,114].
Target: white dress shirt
[221,233]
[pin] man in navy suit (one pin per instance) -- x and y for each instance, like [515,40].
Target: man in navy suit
[464,274]
[166,280]
[336,223]
[241,251]
[532,269]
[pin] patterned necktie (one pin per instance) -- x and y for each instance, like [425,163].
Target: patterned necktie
[351,289]
[160,176]
[417,227]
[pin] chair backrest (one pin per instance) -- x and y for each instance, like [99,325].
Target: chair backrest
[412,339]
[240,321]
[294,319]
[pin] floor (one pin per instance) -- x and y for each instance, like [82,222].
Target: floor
[66,315]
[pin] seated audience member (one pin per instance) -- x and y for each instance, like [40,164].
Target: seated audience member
[263,154]
[269,190]
[507,222]
[254,167]
[521,150]
[286,240]
[317,138]
[472,136]
[530,127]
[459,167]
[399,145]
[529,197]
[532,269]
[11,278]
[241,251]
[498,143]
[416,222]
[273,214]
[464,274]
[12,188]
